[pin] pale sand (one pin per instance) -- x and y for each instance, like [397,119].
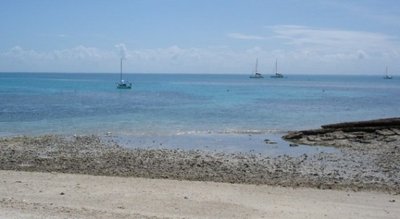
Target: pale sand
[56,195]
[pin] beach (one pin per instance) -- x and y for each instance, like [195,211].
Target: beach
[89,176]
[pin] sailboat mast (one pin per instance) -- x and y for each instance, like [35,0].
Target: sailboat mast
[276,66]
[120,75]
[256,66]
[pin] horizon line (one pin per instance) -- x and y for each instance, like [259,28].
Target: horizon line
[170,73]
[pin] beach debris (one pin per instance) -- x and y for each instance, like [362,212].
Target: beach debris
[62,193]
[392,200]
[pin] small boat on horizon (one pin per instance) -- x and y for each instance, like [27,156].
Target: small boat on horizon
[276,75]
[122,84]
[256,74]
[386,74]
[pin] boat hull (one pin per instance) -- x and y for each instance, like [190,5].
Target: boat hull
[256,77]
[124,86]
[277,76]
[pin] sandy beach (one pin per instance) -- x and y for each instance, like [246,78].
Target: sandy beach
[55,195]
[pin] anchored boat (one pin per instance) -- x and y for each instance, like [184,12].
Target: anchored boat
[386,75]
[256,73]
[276,75]
[122,84]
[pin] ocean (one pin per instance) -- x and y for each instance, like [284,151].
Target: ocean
[190,111]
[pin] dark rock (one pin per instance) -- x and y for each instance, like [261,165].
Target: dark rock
[389,122]
[293,135]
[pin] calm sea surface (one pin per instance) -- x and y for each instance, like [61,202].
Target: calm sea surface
[189,111]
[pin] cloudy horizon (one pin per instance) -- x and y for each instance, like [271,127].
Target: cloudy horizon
[344,38]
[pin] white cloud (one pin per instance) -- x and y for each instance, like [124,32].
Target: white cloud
[338,44]
[122,50]
[241,36]
[299,49]
[341,39]
[76,53]
[79,59]
[172,59]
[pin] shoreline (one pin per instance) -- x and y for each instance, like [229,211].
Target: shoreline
[356,168]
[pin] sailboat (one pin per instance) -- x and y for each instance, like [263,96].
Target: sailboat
[122,84]
[386,75]
[276,75]
[256,73]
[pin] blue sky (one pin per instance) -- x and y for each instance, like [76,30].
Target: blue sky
[205,36]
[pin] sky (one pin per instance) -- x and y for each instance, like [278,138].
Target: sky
[200,36]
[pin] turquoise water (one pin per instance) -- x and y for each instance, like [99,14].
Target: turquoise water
[163,105]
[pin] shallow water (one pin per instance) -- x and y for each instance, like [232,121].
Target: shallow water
[266,144]
[182,109]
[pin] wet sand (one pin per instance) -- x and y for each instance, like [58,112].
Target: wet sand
[56,195]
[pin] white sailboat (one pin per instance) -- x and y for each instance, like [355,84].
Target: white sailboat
[386,75]
[256,73]
[122,84]
[276,75]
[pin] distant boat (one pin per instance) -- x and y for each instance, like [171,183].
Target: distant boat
[122,84]
[277,75]
[386,75]
[256,73]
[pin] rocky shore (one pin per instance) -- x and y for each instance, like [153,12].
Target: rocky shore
[370,162]
[373,144]
[376,133]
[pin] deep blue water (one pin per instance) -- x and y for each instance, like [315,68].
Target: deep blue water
[164,105]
